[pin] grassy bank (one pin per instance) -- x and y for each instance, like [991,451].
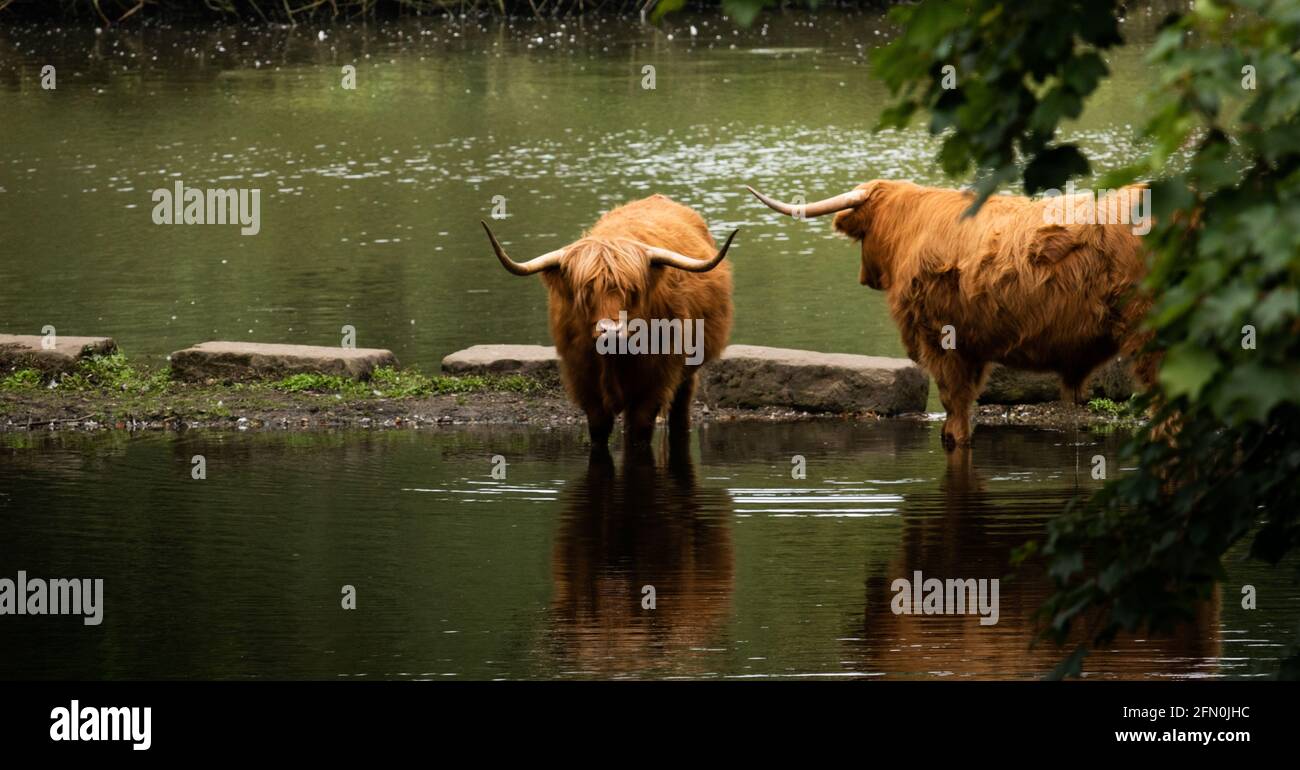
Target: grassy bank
[115,374]
[112,391]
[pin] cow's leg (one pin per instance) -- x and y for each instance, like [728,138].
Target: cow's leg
[1072,389]
[679,414]
[959,381]
[600,463]
[1075,379]
[600,424]
[639,423]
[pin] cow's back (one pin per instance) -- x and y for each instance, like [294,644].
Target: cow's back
[658,221]
[1017,288]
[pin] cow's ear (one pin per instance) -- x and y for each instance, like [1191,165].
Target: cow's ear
[554,281]
[853,222]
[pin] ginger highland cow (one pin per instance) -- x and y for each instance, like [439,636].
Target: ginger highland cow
[1016,284]
[647,267]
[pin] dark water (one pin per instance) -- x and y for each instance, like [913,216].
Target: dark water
[370,207]
[540,574]
[371,198]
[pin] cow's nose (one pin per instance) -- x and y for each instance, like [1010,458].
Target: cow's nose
[605,326]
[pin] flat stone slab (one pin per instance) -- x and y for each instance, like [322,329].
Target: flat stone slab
[255,360]
[539,361]
[749,376]
[19,351]
[1015,386]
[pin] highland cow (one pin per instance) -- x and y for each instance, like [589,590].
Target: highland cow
[1008,285]
[649,266]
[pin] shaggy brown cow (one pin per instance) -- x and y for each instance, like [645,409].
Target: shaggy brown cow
[654,261]
[1009,285]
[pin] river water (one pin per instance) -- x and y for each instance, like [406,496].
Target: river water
[371,198]
[542,574]
[370,207]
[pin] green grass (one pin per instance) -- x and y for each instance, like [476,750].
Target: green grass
[1125,411]
[1105,406]
[23,379]
[386,382]
[113,372]
[317,383]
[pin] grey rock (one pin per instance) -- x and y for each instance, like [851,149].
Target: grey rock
[18,351]
[540,361]
[749,376]
[1113,380]
[233,361]
[1016,386]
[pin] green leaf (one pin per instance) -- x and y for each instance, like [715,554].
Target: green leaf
[1278,308]
[665,7]
[1251,391]
[1051,168]
[897,115]
[1187,368]
[1071,666]
[1083,73]
[743,11]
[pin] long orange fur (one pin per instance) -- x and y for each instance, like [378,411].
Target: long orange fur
[1016,289]
[605,272]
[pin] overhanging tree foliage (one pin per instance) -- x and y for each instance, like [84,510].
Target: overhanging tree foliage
[1224,167]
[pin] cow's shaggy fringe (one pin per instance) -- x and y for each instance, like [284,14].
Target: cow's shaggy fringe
[605,274]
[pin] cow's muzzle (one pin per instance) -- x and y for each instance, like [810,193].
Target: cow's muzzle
[607,326]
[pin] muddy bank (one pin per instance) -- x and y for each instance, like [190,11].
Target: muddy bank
[247,386]
[220,407]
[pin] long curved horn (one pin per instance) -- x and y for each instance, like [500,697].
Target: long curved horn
[548,260]
[840,202]
[669,258]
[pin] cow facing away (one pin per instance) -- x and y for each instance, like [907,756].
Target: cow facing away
[646,272]
[1016,284]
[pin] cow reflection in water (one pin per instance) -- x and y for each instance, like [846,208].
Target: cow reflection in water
[960,534]
[646,524]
